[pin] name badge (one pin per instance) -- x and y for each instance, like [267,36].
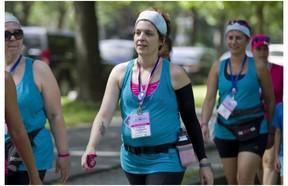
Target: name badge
[140,125]
[227,107]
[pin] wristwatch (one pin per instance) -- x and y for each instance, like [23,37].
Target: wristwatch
[206,164]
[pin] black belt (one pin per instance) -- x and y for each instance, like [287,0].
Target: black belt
[150,149]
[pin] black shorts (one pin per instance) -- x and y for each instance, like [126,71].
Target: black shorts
[231,148]
[22,178]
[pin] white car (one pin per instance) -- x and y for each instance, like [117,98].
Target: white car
[276,54]
[195,60]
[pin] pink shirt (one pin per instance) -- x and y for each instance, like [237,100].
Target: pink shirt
[276,73]
[151,88]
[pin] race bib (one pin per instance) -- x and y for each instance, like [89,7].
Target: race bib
[140,125]
[227,107]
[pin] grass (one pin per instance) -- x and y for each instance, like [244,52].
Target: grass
[199,92]
[78,112]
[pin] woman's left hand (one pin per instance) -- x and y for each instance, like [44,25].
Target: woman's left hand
[206,176]
[63,165]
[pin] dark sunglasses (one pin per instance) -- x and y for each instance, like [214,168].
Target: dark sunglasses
[240,22]
[18,34]
[261,39]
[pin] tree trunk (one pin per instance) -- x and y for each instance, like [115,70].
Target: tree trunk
[26,6]
[61,7]
[193,36]
[88,61]
[259,17]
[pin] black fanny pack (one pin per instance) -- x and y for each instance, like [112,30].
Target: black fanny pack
[242,112]
[12,156]
[244,130]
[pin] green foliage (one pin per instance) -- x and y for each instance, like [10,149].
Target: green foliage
[116,16]
[78,112]
[199,92]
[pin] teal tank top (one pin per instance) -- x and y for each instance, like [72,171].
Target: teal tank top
[164,122]
[31,106]
[247,96]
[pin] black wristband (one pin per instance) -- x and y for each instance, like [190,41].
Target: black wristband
[207,164]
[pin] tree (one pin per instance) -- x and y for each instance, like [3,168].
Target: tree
[88,61]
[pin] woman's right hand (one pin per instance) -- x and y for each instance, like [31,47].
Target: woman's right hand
[205,133]
[84,163]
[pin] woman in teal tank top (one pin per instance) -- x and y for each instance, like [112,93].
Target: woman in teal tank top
[151,119]
[237,80]
[38,99]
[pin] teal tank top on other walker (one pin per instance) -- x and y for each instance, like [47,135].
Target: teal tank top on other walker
[247,96]
[31,106]
[164,122]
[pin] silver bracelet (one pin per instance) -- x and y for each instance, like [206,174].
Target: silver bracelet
[207,164]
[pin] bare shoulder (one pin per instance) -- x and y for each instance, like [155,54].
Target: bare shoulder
[215,67]
[177,70]
[121,67]
[119,70]
[41,67]
[261,68]
[179,77]
[117,73]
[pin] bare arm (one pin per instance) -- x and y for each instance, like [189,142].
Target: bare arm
[48,86]
[277,139]
[210,98]
[17,130]
[267,90]
[106,112]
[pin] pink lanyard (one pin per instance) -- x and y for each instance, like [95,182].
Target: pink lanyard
[143,92]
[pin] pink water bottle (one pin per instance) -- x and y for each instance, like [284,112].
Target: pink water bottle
[185,149]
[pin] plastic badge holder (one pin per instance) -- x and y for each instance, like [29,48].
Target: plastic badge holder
[185,150]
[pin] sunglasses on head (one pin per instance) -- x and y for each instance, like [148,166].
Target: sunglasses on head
[240,22]
[18,34]
[261,39]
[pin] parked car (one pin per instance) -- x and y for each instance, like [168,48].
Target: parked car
[115,51]
[275,54]
[195,60]
[57,49]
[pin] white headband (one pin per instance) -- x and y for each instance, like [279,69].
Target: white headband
[155,18]
[238,27]
[11,18]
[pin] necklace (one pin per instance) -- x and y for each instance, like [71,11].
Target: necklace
[235,79]
[12,69]
[142,92]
